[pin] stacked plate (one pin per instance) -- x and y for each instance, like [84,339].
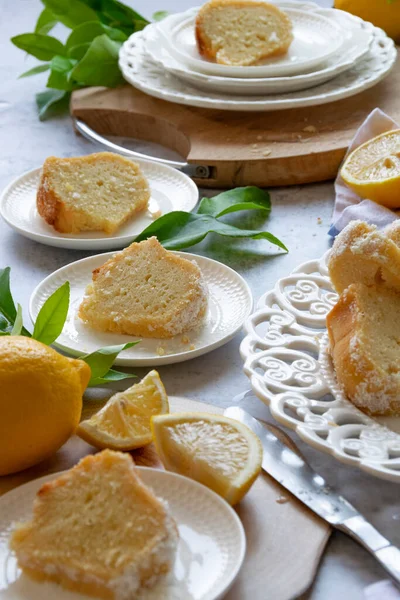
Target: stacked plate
[333,55]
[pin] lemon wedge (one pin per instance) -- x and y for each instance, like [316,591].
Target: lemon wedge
[220,453]
[373,169]
[124,422]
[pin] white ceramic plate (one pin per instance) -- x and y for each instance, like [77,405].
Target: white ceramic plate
[286,359]
[315,39]
[210,552]
[358,38]
[170,190]
[229,304]
[144,74]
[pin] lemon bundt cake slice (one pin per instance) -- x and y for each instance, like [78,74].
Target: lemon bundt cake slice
[364,334]
[98,192]
[98,530]
[145,291]
[242,32]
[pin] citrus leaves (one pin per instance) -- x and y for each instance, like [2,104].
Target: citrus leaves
[49,324]
[178,229]
[89,56]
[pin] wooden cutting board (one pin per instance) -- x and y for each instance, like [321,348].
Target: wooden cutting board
[264,149]
[285,540]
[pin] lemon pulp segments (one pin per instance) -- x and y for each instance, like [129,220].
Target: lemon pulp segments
[124,422]
[219,452]
[373,169]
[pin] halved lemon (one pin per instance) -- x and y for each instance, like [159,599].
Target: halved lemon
[221,453]
[373,169]
[124,422]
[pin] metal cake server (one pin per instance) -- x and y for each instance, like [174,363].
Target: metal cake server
[293,473]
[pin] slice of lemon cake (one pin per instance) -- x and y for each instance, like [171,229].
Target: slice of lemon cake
[98,530]
[145,291]
[363,254]
[242,32]
[364,334]
[98,192]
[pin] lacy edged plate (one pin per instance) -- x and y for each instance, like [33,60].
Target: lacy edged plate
[287,361]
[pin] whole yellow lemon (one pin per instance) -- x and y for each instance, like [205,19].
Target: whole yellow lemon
[40,401]
[382,13]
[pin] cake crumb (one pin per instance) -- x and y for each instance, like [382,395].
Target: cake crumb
[160,351]
[282,500]
[267,152]
[192,347]
[185,339]
[310,129]
[259,137]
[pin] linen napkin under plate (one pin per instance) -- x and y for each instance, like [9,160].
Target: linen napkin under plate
[349,206]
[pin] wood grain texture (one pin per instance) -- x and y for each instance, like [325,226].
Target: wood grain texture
[285,540]
[264,149]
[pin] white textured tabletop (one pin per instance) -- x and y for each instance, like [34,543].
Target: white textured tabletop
[300,217]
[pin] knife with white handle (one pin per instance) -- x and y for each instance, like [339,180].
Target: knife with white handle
[294,474]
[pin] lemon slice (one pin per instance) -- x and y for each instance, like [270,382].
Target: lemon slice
[221,453]
[373,169]
[124,422]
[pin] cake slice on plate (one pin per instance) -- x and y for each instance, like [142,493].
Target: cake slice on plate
[145,291]
[98,192]
[242,32]
[98,530]
[364,334]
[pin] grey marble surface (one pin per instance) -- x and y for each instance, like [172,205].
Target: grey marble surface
[300,217]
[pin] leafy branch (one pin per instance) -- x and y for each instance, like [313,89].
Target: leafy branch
[49,324]
[89,56]
[180,229]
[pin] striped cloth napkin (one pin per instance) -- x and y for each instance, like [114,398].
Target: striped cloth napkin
[349,206]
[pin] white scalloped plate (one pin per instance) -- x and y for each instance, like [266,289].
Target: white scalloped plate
[315,39]
[170,190]
[287,362]
[358,38]
[229,304]
[143,73]
[210,552]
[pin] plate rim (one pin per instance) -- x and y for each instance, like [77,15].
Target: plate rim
[331,71]
[312,62]
[232,575]
[78,243]
[304,431]
[167,358]
[192,95]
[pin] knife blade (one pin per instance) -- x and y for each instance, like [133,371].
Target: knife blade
[294,474]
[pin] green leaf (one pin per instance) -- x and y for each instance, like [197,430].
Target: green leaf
[78,52]
[102,360]
[118,14]
[160,15]
[99,66]
[50,102]
[35,70]
[43,47]
[51,318]
[241,198]
[60,69]
[18,324]
[179,229]
[71,12]
[7,306]
[45,22]
[109,377]
[86,32]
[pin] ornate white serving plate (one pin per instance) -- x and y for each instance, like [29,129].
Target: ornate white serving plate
[151,78]
[315,39]
[358,38]
[210,552]
[287,360]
